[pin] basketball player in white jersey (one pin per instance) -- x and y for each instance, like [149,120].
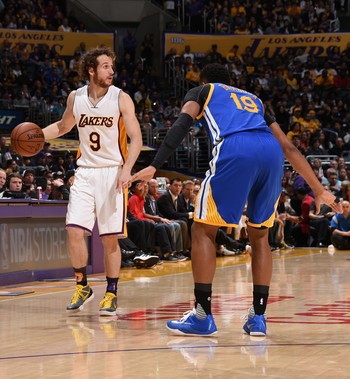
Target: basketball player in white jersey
[105,117]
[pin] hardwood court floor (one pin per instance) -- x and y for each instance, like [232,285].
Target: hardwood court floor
[308,325]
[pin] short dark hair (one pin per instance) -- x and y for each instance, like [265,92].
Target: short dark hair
[215,73]
[175,180]
[301,191]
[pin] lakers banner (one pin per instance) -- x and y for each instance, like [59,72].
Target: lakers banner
[268,46]
[60,42]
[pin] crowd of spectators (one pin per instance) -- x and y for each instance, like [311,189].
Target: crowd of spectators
[256,17]
[309,94]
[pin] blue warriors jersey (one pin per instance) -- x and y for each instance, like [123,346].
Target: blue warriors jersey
[247,160]
[229,110]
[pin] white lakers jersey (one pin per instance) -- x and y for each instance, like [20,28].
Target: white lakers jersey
[102,135]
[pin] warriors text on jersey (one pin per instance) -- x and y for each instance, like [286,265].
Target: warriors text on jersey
[102,135]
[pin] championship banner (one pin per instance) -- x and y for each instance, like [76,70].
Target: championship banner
[60,42]
[268,46]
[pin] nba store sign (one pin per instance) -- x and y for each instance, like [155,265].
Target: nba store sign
[39,244]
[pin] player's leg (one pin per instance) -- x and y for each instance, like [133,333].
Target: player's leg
[112,263]
[79,223]
[262,273]
[200,320]
[111,218]
[262,201]
[79,257]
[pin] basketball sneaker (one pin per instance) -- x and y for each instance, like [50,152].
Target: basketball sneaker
[82,295]
[108,305]
[145,260]
[191,325]
[255,324]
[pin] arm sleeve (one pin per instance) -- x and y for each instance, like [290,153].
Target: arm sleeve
[180,127]
[173,139]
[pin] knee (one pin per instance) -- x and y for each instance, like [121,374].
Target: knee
[75,233]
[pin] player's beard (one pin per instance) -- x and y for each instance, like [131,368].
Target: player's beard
[103,83]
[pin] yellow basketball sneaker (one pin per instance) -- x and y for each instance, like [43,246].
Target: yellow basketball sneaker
[82,295]
[108,305]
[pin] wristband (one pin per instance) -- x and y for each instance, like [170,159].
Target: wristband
[269,118]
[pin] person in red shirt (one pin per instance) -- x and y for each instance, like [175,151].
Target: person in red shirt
[161,230]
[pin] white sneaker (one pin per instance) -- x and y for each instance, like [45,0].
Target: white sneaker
[145,260]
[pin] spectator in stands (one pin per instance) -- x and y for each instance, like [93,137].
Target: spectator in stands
[340,226]
[192,75]
[320,223]
[195,9]
[14,187]
[2,181]
[301,231]
[28,177]
[315,148]
[70,162]
[333,183]
[338,148]
[11,166]
[214,55]
[142,235]
[151,211]
[130,44]
[4,151]
[172,111]
[168,207]
[188,54]
[59,190]
[161,230]
[65,26]
[147,51]
[295,130]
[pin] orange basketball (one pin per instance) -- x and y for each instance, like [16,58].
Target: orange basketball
[27,139]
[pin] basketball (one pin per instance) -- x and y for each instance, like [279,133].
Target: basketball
[27,139]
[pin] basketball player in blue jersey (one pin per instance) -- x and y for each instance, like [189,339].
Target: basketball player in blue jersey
[246,165]
[104,116]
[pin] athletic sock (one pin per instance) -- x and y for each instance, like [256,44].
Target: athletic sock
[260,296]
[112,284]
[202,293]
[80,276]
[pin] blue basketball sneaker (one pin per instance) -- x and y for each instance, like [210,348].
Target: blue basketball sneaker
[191,325]
[255,324]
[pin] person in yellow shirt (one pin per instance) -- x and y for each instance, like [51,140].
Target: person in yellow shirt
[324,80]
[311,122]
[292,81]
[233,53]
[294,10]
[237,8]
[297,117]
[295,130]
[193,75]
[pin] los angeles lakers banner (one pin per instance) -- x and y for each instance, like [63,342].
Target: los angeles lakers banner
[268,46]
[62,43]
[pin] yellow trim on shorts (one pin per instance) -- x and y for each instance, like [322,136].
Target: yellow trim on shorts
[269,222]
[211,223]
[213,216]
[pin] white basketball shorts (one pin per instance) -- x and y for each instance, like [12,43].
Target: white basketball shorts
[94,196]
